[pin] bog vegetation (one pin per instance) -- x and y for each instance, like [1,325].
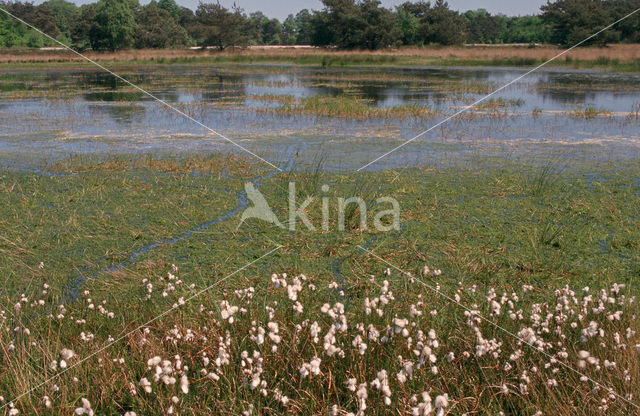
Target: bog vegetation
[363,24]
[319,327]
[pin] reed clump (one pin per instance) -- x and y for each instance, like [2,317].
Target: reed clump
[345,106]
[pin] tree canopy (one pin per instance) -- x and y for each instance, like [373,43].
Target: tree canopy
[115,25]
[157,28]
[218,26]
[349,24]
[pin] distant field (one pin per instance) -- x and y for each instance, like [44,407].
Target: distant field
[624,57]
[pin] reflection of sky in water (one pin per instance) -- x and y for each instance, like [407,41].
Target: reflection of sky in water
[128,120]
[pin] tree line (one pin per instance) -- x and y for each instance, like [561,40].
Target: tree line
[349,24]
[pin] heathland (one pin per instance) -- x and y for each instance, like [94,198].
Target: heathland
[625,58]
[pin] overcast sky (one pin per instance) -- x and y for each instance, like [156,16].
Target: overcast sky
[282,8]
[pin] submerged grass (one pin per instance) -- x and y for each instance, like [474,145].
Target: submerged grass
[446,202]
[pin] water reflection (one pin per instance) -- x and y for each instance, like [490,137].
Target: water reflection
[114,96]
[235,100]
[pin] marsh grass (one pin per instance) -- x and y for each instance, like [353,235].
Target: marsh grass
[484,225]
[273,98]
[346,106]
[499,103]
[591,112]
[546,178]
[368,190]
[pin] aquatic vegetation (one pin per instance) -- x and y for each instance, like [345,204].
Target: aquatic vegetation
[590,113]
[499,103]
[273,98]
[634,114]
[350,107]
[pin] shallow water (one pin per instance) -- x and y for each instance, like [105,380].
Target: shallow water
[51,114]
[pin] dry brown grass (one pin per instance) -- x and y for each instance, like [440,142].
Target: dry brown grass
[625,52]
[216,165]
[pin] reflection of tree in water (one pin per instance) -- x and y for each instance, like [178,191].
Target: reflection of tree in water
[423,85]
[104,80]
[122,114]
[328,91]
[21,81]
[374,92]
[568,96]
[401,94]
[218,87]
[170,96]
[115,96]
[446,74]
[578,88]
[92,79]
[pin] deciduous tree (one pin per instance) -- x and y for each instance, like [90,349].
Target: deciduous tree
[219,27]
[157,29]
[116,25]
[572,21]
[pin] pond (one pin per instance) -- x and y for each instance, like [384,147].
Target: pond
[51,114]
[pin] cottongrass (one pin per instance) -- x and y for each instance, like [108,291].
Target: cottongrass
[294,345]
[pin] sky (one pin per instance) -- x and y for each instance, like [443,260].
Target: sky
[282,8]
